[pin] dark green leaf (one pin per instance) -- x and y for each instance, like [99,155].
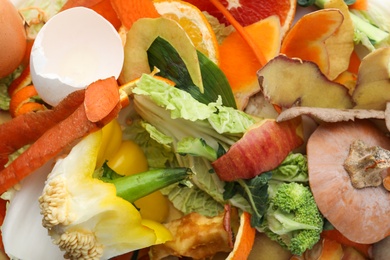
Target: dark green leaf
[163,56]
[255,191]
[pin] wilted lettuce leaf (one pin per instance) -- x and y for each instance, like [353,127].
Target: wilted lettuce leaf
[292,169]
[156,145]
[192,199]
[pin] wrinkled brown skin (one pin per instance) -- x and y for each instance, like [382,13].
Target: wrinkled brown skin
[361,215]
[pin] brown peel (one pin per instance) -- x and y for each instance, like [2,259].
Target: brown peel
[287,82]
[340,45]
[330,114]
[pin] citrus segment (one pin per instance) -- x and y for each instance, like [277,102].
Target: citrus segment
[193,22]
[244,239]
[238,62]
[247,12]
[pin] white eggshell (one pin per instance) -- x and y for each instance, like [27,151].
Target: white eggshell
[73,49]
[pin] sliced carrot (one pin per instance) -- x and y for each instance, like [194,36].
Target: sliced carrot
[98,108]
[102,7]
[359,5]
[340,238]
[240,29]
[130,11]
[27,128]
[55,140]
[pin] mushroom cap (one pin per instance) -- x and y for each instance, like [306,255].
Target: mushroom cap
[361,215]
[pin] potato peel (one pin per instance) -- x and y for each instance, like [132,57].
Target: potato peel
[330,115]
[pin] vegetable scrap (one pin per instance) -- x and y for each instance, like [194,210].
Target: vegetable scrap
[56,138]
[26,129]
[330,115]
[268,141]
[240,69]
[307,39]
[195,236]
[346,206]
[365,164]
[274,142]
[82,234]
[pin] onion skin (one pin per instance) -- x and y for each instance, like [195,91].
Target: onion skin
[13,39]
[261,149]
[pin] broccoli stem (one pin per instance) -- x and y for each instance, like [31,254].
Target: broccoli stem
[136,186]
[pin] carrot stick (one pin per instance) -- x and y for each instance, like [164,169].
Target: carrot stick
[27,128]
[130,11]
[241,30]
[359,5]
[53,141]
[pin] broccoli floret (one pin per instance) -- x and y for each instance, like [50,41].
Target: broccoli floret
[292,218]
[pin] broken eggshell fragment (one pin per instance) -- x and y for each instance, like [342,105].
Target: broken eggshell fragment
[73,49]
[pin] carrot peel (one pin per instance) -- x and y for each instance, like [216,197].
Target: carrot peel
[49,143]
[107,98]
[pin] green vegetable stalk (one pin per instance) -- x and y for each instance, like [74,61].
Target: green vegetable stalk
[136,186]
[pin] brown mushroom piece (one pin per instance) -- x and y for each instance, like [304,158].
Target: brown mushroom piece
[360,214]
